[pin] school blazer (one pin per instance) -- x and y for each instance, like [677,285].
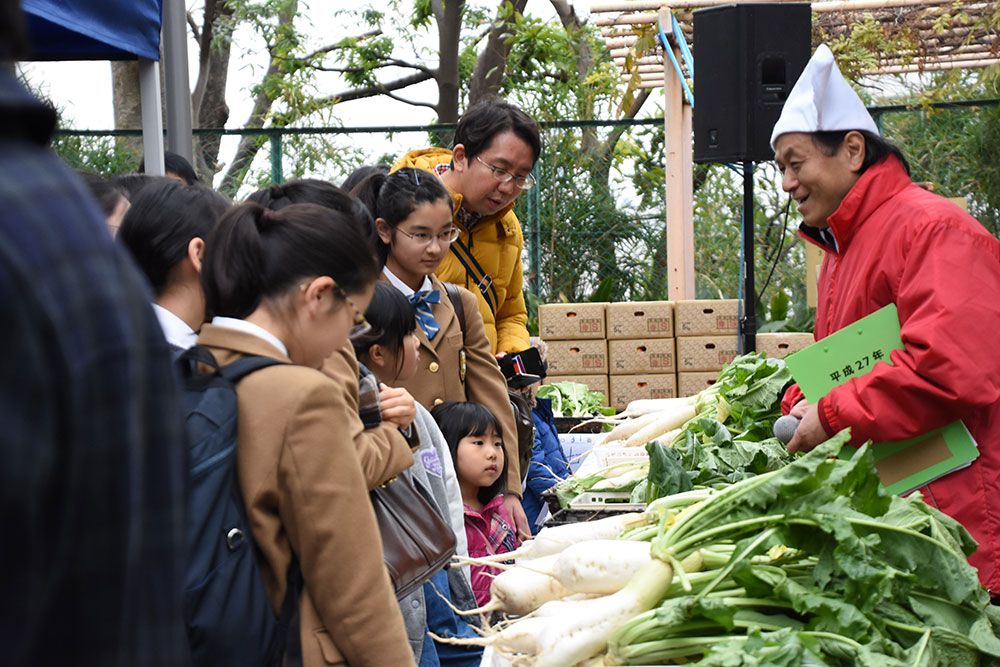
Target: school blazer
[438,377]
[305,492]
[383,451]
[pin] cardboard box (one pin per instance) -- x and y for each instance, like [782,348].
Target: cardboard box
[571,321]
[640,319]
[780,345]
[631,357]
[578,357]
[595,382]
[689,384]
[706,317]
[628,388]
[705,353]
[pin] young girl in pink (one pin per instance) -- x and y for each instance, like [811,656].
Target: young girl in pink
[477,449]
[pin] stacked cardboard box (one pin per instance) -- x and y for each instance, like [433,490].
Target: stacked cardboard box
[643,361]
[625,350]
[577,349]
[707,340]
[649,349]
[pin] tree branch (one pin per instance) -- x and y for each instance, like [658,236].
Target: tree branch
[379,88]
[391,62]
[194,27]
[339,45]
[414,103]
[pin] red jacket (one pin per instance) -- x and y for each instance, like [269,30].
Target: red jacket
[898,243]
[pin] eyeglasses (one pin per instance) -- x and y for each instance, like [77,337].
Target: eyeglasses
[422,239]
[504,176]
[361,325]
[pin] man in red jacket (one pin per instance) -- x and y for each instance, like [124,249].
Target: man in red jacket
[889,241]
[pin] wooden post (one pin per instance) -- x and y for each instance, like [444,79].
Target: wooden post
[679,178]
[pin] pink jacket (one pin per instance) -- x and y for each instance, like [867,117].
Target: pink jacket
[490,531]
[898,243]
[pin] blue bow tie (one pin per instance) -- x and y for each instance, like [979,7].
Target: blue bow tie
[425,317]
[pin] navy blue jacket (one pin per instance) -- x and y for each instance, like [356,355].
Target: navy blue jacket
[548,461]
[93,450]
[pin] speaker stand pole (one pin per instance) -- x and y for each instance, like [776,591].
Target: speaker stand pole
[748,327]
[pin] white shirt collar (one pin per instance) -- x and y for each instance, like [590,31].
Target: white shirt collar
[175,330]
[403,287]
[250,328]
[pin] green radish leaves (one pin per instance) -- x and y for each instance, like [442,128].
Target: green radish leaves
[666,472]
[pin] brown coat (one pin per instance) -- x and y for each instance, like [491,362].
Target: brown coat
[305,492]
[383,451]
[438,378]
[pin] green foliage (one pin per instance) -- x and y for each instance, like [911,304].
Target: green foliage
[824,568]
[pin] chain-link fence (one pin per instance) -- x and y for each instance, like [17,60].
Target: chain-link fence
[594,224]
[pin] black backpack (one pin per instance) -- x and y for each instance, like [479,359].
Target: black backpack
[522,413]
[228,615]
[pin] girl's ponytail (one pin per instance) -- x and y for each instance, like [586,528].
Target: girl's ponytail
[255,253]
[233,268]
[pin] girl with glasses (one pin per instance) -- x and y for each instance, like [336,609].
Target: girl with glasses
[281,285]
[413,217]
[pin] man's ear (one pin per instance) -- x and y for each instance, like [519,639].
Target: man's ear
[855,147]
[459,160]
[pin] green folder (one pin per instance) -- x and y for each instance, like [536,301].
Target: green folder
[854,350]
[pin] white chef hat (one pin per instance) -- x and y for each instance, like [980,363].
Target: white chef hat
[822,100]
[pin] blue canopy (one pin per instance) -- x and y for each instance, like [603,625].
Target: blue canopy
[94,29]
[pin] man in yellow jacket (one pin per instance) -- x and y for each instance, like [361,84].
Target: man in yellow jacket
[495,148]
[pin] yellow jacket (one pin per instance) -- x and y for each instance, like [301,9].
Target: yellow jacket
[496,242]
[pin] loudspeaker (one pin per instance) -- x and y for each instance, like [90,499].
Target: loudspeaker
[747,58]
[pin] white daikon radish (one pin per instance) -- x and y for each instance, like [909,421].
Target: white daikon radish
[666,422]
[553,539]
[580,634]
[620,480]
[519,637]
[600,566]
[627,428]
[645,406]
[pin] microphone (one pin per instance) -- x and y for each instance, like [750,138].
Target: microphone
[784,428]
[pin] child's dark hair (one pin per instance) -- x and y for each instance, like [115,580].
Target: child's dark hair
[255,253]
[177,164]
[106,193]
[322,193]
[132,184]
[393,197]
[458,419]
[162,220]
[392,318]
[363,172]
